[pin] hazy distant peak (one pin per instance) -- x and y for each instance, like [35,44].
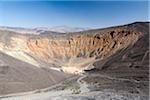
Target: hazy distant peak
[40,30]
[19,30]
[62,29]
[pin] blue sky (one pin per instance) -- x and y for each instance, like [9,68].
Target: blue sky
[71,13]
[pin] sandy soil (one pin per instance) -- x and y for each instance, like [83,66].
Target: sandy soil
[84,93]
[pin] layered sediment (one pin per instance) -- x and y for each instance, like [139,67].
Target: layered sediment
[75,52]
[79,52]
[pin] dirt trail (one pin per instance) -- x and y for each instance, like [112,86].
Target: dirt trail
[82,84]
[114,78]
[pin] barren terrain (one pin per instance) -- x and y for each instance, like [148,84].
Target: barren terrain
[99,64]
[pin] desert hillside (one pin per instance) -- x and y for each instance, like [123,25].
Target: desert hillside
[74,52]
[108,57]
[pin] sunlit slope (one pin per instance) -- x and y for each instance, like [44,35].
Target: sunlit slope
[75,52]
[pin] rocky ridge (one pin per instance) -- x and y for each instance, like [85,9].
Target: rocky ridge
[75,52]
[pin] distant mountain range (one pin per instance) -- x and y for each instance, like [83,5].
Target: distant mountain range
[39,30]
